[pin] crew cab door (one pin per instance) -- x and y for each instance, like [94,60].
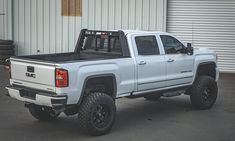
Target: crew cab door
[151,65]
[179,65]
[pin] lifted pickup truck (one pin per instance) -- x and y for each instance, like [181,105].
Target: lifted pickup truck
[107,65]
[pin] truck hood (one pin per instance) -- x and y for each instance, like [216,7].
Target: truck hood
[203,51]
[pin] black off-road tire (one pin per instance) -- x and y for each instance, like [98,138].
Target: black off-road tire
[204,93]
[97,114]
[42,113]
[153,97]
[6,42]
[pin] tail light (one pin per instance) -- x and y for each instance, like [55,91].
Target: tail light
[7,67]
[61,78]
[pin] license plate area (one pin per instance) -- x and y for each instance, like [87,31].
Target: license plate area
[28,94]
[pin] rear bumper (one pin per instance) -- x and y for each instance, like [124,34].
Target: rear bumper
[36,97]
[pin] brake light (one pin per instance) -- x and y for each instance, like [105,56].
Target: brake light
[61,78]
[7,67]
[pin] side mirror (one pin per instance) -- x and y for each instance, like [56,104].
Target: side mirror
[189,49]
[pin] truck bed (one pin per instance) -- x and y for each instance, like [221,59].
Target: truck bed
[68,57]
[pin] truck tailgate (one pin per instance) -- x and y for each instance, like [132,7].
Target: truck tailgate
[33,72]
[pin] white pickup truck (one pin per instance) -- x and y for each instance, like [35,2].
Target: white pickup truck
[107,65]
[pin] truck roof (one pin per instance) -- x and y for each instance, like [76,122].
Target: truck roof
[141,32]
[130,31]
[136,31]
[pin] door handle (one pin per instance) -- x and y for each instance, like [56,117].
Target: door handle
[142,63]
[170,60]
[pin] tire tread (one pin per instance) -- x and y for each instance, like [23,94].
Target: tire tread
[197,88]
[85,110]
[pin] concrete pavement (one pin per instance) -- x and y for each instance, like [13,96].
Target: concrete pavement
[169,119]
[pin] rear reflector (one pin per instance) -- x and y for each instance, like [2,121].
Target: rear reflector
[61,78]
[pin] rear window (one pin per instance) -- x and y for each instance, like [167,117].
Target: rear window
[102,43]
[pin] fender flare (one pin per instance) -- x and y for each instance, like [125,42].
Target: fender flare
[99,76]
[200,64]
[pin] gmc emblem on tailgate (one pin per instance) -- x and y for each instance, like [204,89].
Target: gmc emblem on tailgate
[30,75]
[30,72]
[30,69]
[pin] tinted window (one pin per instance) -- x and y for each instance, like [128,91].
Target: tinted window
[171,44]
[147,45]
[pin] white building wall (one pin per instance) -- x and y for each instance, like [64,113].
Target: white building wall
[5,19]
[40,28]
[2,13]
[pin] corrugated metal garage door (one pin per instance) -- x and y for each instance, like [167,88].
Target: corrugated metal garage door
[207,23]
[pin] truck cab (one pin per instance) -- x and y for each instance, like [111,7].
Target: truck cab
[161,61]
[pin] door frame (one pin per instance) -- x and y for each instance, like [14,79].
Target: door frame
[138,59]
[186,74]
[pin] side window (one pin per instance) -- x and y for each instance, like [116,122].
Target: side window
[171,44]
[147,45]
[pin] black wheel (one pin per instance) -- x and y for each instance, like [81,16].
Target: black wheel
[6,42]
[153,97]
[42,113]
[97,114]
[204,93]
[7,47]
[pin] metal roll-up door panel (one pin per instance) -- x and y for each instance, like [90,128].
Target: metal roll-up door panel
[207,23]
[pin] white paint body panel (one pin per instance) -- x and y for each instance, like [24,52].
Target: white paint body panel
[123,69]
[181,70]
[39,100]
[45,75]
[153,74]
[131,78]
[203,55]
